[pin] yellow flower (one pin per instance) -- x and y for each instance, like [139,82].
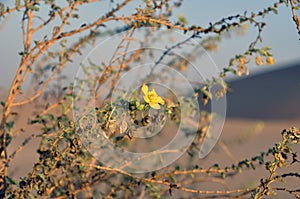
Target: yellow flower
[270,60]
[152,98]
[242,61]
[242,69]
[259,60]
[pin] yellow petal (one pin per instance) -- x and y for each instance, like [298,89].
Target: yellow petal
[270,60]
[146,98]
[259,60]
[154,105]
[145,89]
[153,93]
[160,100]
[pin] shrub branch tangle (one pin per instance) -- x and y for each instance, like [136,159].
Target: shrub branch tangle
[64,169]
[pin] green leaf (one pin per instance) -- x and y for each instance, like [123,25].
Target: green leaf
[10,125]
[76,16]
[173,180]
[33,121]
[262,52]
[182,19]
[64,108]
[1,8]
[63,42]
[33,8]
[8,140]
[11,181]
[17,4]
[207,93]
[267,48]
[275,11]
[31,196]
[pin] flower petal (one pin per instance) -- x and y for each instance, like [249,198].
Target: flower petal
[270,60]
[154,105]
[145,89]
[160,100]
[153,93]
[146,98]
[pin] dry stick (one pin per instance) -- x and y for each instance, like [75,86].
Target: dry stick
[20,148]
[35,58]
[52,17]
[131,59]
[53,168]
[202,179]
[73,50]
[26,125]
[210,170]
[8,100]
[132,18]
[142,194]
[162,182]
[295,17]
[29,30]
[14,90]
[32,2]
[175,5]
[227,151]
[46,44]
[169,50]
[33,136]
[292,192]
[166,151]
[61,10]
[12,93]
[121,63]
[108,69]
[266,184]
[197,171]
[125,19]
[53,106]
[17,8]
[89,173]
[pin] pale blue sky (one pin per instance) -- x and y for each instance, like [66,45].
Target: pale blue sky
[280,32]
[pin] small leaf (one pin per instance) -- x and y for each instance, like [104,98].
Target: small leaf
[63,42]
[207,93]
[33,8]
[182,19]
[275,11]
[10,125]
[8,140]
[11,181]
